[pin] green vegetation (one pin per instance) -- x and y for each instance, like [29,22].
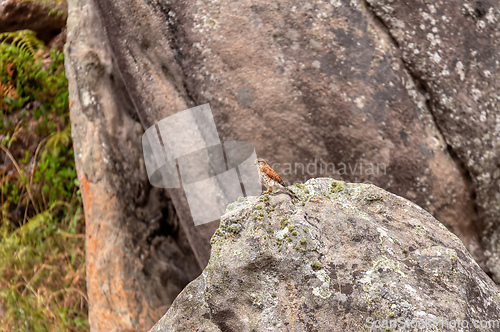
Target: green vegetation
[337,186]
[374,197]
[42,275]
[284,223]
[316,265]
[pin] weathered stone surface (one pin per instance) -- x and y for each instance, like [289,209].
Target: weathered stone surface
[137,257]
[325,83]
[452,48]
[46,20]
[317,83]
[351,255]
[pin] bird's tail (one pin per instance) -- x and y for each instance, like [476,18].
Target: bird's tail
[291,193]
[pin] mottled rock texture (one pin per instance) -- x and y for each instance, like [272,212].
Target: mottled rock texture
[138,258]
[46,19]
[345,257]
[376,90]
[452,49]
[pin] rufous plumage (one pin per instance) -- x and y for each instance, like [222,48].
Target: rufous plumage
[270,179]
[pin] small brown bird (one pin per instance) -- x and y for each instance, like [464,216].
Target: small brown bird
[270,179]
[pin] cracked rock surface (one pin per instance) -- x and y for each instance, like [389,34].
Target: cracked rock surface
[401,95]
[345,256]
[453,50]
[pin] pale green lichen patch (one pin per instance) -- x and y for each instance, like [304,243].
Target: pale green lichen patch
[321,275]
[386,264]
[396,241]
[231,225]
[374,197]
[420,230]
[284,223]
[452,255]
[230,207]
[316,265]
[300,186]
[265,199]
[336,186]
[217,240]
[305,193]
[322,291]
[233,229]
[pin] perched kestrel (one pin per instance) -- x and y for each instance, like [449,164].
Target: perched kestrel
[270,179]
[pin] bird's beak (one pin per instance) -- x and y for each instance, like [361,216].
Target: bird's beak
[255,162]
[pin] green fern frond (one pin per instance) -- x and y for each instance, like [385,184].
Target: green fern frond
[36,222]
[63,137]
[24,40]
[52,145]
[41,219]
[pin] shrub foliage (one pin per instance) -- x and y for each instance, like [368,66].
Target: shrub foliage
[42,275]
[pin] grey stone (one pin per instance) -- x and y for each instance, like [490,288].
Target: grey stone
[343,83]
[353,256]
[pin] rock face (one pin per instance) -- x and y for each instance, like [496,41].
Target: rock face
[320,85]
[452,50]
[138,256]
[404,96]
[346,258]
[47,20]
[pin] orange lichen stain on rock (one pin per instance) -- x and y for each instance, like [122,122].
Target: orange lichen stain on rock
[292,309]
[85,190]
[110,287]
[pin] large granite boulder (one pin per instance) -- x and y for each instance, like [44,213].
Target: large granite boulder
[346,257]
[321,85]
[452,50]
[138,255]
[322,88]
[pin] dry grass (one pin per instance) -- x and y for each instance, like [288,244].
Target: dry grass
[42,275]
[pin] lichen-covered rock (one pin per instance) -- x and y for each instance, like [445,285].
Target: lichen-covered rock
[323,84]
[344,258]
[451,48]
[138,257]
[318,84]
